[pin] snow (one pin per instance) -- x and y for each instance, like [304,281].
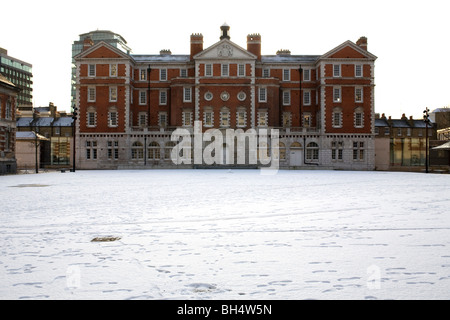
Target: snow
[225,234]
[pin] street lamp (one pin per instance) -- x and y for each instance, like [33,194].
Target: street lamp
[74,117]
[426,119]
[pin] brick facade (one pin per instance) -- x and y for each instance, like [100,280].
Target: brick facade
[324,103]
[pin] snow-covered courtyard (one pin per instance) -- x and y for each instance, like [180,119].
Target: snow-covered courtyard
[225,234]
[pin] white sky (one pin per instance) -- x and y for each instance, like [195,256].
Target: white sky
[410,38]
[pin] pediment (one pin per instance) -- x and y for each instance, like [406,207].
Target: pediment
[102,50]
[225,49]
[348,50]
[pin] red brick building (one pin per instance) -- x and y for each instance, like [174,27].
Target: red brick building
[8,103]
[322,105]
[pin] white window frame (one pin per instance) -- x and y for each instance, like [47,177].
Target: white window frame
[113,70]
[262,94]
[306,120]
[225,118]
[286,97]
[91,119]
[359,94]
[209,70]
[112,94]
[336,71]
[306,98]
[187,94]
[266,73]
[306,74]
[162,119]
[358,74]
[208,118]
[163,97]
[359,118]
[241,70]
[183,73]
[91,94]
[241,115]
[143,97]
[225,69]
[286,74]
[358,151]
[337,118]
[142,119]
[187,118]
[91,70]
[143,74]
[113,119]
[163,74]
[263,118]
[337,94]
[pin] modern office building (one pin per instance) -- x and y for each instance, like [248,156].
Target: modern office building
[114,39]
[19,73]
[131,105]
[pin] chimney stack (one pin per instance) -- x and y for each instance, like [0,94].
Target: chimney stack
[254,44]
[87,43]
[196,44]
[362,42]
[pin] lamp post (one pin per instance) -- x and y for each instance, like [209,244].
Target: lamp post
[74,117]
[426,119]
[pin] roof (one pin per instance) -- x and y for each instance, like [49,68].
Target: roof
[29,135]
[381,123]
[63,122]
[289,59]
[160,58]
[445,146]
[24,121]
[401,123]
[43,122]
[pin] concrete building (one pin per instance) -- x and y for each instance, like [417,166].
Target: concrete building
[129,105]
[20,74]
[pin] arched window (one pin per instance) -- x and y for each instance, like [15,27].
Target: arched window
[154,151]
[137,151]
[312,151]
[296,145]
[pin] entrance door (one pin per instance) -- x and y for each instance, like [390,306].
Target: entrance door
[296,154]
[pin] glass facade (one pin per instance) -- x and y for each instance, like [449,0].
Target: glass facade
[19,73]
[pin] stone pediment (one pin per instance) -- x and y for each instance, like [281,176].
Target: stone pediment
[225,49]
[102,50]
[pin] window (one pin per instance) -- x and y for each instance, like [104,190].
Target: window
[8,110]
[187,94]
[399,132]
[306,75]
[91,94]
[162,119]
[142,97]
[358,71]
[359,117]
[286,97]
[337,148]
[163,74]
[312,151]
[163,97]
[113,70]
[358,94]
[358,151]
[337,118]
[241,70]
[306,120]
[91,70]
[377,131]
[287,119]
[112,118]
[408,132]
[91,150]
[154,151]
[91,117]
[113,150]
[143,74]
[183,73]
[208,118]
[113,94]
[266,73]
[337,95]
[187,118]
[137,151]
[336,70]
[307,98]
[225,70]
[262,118]
[142,119]
[286,75]
[241,118]
[208,70]
[262,95]
[225,117]
[168,150]
[282,150]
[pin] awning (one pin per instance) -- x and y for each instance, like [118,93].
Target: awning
[445,146]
